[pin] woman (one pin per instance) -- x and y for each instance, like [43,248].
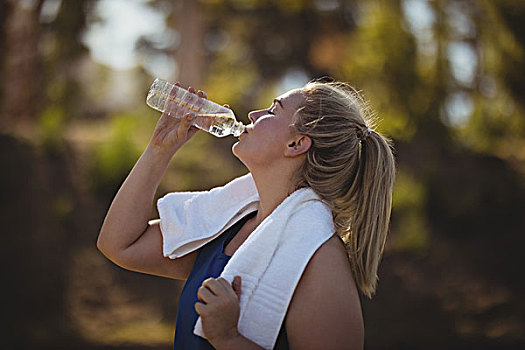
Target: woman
[318,137]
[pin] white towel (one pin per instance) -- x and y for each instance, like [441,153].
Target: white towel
[270,261]
[188,220]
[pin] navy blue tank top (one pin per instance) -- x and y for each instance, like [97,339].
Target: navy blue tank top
[210,262]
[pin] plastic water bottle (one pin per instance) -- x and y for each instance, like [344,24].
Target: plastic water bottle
[177,101]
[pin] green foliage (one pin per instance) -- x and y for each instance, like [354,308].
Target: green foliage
[497,124]
[410,232]
[228,84]
[457,186]
[51,127]
[379,59]
[114,158]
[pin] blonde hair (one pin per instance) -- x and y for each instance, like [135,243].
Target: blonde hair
[352,168]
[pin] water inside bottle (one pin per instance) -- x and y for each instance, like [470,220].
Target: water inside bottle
[217,124]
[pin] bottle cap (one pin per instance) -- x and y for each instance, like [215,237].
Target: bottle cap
[237,129]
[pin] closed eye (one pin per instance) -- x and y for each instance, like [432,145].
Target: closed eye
[271,110]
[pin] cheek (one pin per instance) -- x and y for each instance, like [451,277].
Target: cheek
[268,141]
[256,150]
[271,132]
[264,142]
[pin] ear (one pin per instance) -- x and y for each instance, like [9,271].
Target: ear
[298,145]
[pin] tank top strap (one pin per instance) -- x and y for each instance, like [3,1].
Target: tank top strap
[235,228]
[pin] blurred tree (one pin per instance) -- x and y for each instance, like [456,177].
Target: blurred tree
[5,10]
[21,61]
[40,200]
[190,54]
[512,14]
[63,48]
[41,41]
[445,76]
[248,46]
[497,123]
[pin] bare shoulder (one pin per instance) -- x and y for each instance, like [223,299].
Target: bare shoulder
[325,311]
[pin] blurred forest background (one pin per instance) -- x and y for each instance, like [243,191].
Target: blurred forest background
[447,78]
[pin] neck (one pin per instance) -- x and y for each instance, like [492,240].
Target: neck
[273,187]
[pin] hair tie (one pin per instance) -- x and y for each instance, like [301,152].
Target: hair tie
[363,135]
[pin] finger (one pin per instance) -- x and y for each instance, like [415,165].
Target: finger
[227,286]
[204,294]
[165,114]
[214,285]
[187,121]
[192,130]
[237,285]
[202,94]
[200,308]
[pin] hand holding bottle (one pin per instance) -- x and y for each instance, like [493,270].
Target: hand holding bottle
[176,101]
[171,133]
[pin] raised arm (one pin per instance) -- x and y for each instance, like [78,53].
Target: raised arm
[125,237]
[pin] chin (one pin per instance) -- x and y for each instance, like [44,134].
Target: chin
[239,154]
[234,148]
[235,151]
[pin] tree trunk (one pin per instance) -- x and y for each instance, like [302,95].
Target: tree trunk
[190,53]
[20,88]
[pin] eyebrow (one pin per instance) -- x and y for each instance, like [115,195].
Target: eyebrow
[279,102]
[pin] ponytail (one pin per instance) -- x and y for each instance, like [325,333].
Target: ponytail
[369,203]
[352,168]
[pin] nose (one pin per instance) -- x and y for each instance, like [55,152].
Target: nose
[254,115]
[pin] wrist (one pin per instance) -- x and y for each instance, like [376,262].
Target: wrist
[235,341]
[229,342]
[160,154]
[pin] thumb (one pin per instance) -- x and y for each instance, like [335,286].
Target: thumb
[236,285]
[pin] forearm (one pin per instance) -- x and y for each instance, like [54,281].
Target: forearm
[130,210]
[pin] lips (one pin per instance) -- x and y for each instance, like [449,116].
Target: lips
[243,133]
